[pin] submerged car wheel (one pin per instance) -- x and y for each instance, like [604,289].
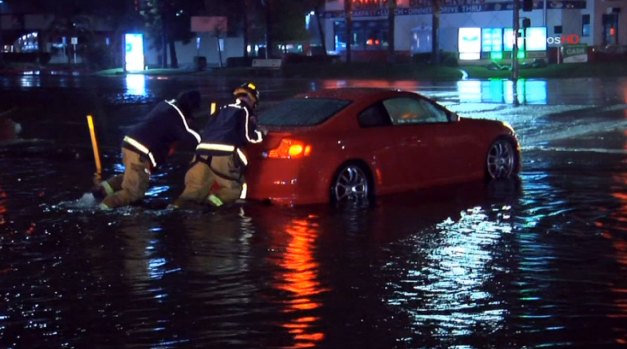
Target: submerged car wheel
[351,185]
[501,159]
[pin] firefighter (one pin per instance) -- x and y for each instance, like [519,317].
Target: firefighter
[215,177]
[9,129]
[147,146]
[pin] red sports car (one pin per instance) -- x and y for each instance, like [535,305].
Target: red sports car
[352,144]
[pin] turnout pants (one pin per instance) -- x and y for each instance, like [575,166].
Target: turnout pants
[132,185]
[211,177]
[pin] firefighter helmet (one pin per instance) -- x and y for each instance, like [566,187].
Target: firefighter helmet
[248,89]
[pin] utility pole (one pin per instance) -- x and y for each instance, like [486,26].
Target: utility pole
[348,9]
[515,52]
[435,28]
[269,34]
[245,29]
[391,22]
[163,12]
[515,43]
[1,39]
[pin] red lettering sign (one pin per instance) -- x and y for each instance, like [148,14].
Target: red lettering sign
[571,39]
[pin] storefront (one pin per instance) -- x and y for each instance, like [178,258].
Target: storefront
[551,25]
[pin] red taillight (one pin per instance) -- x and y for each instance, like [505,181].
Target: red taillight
[290,149]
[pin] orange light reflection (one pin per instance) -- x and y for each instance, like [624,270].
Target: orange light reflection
[402,84]
[625,95]
[300,279]
[3,206]
[619,244]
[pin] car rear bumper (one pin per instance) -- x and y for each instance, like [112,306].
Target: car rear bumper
[285,183]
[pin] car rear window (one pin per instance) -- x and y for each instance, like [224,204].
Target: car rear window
[301,111]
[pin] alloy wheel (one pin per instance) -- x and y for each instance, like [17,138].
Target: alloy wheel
[351,185]
[501,160]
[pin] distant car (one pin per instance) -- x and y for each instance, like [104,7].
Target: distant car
[353,144]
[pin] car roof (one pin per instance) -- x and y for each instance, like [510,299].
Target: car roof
[354,93]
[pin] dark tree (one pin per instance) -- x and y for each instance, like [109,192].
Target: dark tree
[288,24]
[77,18]
[168,21]
[318,8]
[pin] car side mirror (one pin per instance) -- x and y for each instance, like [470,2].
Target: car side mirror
[454,117]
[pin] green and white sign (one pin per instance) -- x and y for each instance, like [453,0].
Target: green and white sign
[575,53]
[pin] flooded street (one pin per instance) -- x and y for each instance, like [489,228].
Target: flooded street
[531,263]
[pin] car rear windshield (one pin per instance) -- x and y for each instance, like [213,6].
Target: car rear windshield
[301,111]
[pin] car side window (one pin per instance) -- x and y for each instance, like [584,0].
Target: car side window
[435,113]
[407,110]
[374,116]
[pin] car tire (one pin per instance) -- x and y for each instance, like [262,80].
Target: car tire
[501,160]
[351,184]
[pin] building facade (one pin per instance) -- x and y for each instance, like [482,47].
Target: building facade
[31,35]
[552,24]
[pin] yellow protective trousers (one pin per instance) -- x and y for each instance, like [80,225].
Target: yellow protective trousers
[216,183]
[132,185]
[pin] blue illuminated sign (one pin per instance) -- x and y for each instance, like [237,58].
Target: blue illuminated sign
[134,52]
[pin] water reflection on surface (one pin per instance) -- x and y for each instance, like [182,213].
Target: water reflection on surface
[298,279]
[411,85]
[136,84]
[441,277]
[540,262]
[470,266]
[502,91]
[619,243]
[3,206]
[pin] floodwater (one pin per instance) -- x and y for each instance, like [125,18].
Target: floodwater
[538,262]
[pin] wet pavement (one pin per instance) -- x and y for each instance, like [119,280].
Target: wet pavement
[529,263]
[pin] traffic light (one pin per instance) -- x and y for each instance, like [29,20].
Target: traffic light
[527,5]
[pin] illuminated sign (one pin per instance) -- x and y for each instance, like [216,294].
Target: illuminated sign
[134,52]
[359,4]
[575,53]
[209,24]
[497,40]
[570,39]
[508,39]
[469,43]
[536,39]
[491,39]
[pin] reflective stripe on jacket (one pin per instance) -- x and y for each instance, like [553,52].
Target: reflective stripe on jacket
[228,131]
[164,125]
[142,149]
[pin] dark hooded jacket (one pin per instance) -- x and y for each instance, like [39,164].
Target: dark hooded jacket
[163,126]
[233,127]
